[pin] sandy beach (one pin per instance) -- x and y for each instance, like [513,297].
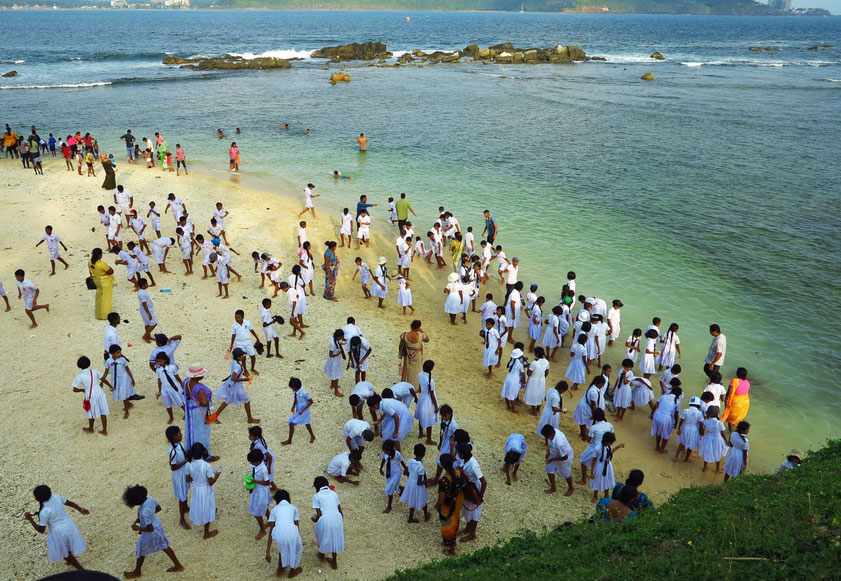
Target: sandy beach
[42,418]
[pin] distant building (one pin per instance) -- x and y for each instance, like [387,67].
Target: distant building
[780,4]
[119,4]
[177,3]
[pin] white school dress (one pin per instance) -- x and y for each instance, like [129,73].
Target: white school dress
[603,477]
[334,368]
[669,350]
[144,299]
[577,370]
[171,396]
[302,398]
[404,294]
[356,360]
[203,501]
[647,362]
[403,391]
[285,534]
[536,383]
[448,429]
[583,412]
[516,443]
[258,504]
[513,316]
[269,331]
[713,448]
[549,416]
[415,495]
[600,332]
[353,431]
[393,472]
[425,411]
[469,511]
[154,541]
[380,274]
[261,445]
[452,305]
[550,341]
[177,454]
[622,394]
[120,380]
[690,435]
[63,538]
[405,254]
[347,225]
[512,385]
[364,273]
[491,357]
[233,392]
[502,328]
[390,408]
[364,389]
[615,318]
[535,328]
[592,344]
[564,321]
[558,448]
[663,421]
[88,379]
[631,352]
[307,268]
[131,263]
[641,391]
[330,529]
[735,458]
[596,433]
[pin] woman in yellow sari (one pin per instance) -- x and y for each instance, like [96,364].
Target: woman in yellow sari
[450,499]
[737,400]
[411,353]
[103,278]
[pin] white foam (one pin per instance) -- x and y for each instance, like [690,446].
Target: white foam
[692,64]
[833,80]
[277,54]
[67,86]
[628,58]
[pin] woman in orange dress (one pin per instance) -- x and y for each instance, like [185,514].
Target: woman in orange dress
[737,400]
[450,499]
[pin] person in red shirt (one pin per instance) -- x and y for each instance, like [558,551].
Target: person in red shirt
[67,152]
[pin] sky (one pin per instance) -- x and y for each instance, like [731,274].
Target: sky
[833,6]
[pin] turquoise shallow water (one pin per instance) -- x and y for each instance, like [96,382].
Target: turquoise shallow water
[707,196]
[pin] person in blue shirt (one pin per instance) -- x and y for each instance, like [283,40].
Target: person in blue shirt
[362,204]
[52,143]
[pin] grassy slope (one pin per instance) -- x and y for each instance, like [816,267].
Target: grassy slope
[791,520]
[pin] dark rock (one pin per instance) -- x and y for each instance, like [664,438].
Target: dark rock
[238,63]
[647,77]
[816,47]
[471,50]
[9,74]
[171,60]
[504,47]
[658,56]
[339,78]
[755,49]
[364,51]
[598,58]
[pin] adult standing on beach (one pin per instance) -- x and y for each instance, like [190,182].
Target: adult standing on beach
[198,398]
[718,348]
[331,271]
[491,229]
[411,353]
[129,139]
[362,204]
[108,167]
[403,208]
[103,278]
[511,271]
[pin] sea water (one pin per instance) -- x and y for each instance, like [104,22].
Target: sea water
[707,196]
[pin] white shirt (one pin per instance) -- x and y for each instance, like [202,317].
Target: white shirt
[512,273]
[52,240]
[718,392]
[347,222]
[302,236]
[266,316]
[110,337]
[124,197]
[339,464]
[241,331]
[473,471]
[354,428]
[351,331]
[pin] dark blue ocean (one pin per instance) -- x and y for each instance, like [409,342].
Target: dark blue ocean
[708,195]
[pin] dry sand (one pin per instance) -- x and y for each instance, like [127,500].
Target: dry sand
[42,418]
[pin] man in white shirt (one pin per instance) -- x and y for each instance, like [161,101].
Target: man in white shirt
[614,318]
[718,349]
[511,271]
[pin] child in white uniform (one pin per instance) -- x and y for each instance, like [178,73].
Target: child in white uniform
[602,467]
[391,466]
[670,349]
[492,349]
[329,521]
[404,294]
[169,384]
[713,447]
[88,382]
[346,228]
[688,430]
[154,218]
[597,430]
[152,537]
[53,242]
[426,412]
[122,381]
[300,410]
[268,322]
[364,272]
[241,333]
[63,538]
[258,503]
[737,458]
[515,452]
[179,467]
[622,394]
[284,530]
[203,501]
[414,494]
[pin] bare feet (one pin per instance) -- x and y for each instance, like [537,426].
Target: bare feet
[413,520]
[88,430]
[387,510]
[286,442]
[550,491]
[468,538]
[131,574]
[184,525]
[175,569]
[312,439]
[569,492]
[103,432]
[210,534]
[260,535]
[253,421]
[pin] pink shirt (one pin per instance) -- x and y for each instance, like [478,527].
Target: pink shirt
[179,154]
[744,386]
[234,152]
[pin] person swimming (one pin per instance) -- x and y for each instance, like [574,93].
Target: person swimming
[284,126]
[338,176]
[220,134]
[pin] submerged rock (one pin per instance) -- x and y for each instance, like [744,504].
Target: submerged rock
[356,51]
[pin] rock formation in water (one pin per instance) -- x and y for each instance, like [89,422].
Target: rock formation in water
[229,63]
[357,51]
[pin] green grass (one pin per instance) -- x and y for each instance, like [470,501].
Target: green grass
[790,522]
